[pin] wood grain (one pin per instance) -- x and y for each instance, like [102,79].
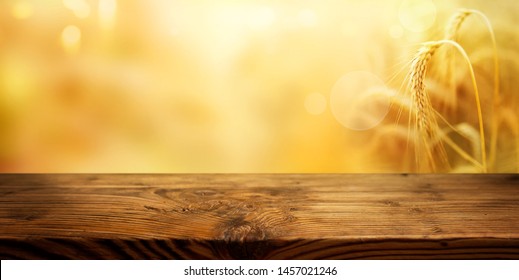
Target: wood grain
[259,216]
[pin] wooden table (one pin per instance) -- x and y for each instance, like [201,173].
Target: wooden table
[259,216]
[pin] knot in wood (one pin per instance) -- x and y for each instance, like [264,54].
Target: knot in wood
[240,230]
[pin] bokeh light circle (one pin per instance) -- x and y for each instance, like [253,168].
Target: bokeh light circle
[417,15]
[71,35]
[360,100]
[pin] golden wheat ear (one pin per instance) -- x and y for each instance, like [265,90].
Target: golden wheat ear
[455,22]
[425,115]
[451,33]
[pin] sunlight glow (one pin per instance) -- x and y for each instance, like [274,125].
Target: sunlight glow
[80,8]
[22,10]
[417,15]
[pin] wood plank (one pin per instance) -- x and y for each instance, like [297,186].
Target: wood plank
[259,216]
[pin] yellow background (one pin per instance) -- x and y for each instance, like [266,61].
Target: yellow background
[207,86]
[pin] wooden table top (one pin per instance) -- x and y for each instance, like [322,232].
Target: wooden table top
[259,216]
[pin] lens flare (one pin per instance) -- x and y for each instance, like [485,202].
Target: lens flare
[359,100]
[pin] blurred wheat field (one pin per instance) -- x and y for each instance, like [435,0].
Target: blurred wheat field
[256,86]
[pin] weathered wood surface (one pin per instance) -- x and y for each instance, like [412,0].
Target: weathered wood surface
[262,216]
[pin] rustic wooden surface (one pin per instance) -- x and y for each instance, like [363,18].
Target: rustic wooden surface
[259,216]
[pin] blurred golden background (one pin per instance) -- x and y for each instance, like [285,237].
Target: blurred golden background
[215,86]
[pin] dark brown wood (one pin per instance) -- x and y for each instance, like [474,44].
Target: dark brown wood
[259,216]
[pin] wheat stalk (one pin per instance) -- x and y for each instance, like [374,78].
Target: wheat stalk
[424,114]
[451,33]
